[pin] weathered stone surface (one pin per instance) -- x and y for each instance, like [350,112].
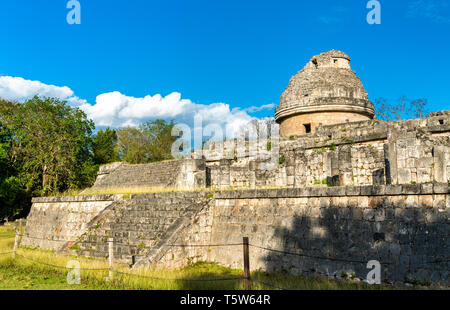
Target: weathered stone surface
[394,228]
[326,85]
[185,174]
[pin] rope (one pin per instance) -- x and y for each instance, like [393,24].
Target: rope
[268,285]
[203,245]
[131,274]
[186,280]
[310,256]
[61,267]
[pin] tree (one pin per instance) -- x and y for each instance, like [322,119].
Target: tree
[13,198]
[159,134]
[402,110]
[150,142]
[104,147]
[50,145]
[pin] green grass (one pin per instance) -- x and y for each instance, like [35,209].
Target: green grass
[23,274]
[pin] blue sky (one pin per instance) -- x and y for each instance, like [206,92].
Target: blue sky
[224,58]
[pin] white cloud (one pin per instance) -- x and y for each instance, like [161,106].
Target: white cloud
[19,89]
[254,109]
[117,110]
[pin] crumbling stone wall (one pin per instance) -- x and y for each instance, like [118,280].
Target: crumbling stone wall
[140,223]
[337,230]
[358,153]
[55,220]
[186,174]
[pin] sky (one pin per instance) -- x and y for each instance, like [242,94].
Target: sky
[226,61]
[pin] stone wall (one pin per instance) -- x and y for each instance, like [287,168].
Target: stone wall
[53,221]
[355,153]
[186,174]
[336,229]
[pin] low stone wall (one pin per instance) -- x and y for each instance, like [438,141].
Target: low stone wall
[53,221]
[337,229]
[186,174]
[332,229]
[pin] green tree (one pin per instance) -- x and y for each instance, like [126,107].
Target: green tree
[13,198]
[51,144]
[150,142]
[104,147]
[159,133]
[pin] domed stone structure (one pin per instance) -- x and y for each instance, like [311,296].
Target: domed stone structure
[326,91]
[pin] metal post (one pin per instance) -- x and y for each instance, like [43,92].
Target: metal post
[246,265]
[111,257]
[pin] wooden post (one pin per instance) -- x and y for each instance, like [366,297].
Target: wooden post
[246,265]
[111,257]
[16,243]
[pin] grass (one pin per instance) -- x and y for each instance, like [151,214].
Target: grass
[23,274]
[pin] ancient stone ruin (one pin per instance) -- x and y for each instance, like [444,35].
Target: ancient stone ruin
[325,92]
[339,188]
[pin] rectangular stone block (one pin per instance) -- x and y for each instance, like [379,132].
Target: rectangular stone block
[440,163]
[393,190]
[426,201]
[337,191]
[366,190]
[441,188]
[352,190]
[404,176]
[410,189]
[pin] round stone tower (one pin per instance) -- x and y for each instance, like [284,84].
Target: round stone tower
[326,91]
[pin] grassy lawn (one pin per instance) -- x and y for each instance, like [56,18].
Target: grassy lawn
[24,274]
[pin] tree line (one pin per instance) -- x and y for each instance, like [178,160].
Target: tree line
[48,147]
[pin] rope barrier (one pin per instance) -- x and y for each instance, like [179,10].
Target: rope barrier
[61,267]
[180,279]
[266,284]
[310,256]
[131,274]
[203,245]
